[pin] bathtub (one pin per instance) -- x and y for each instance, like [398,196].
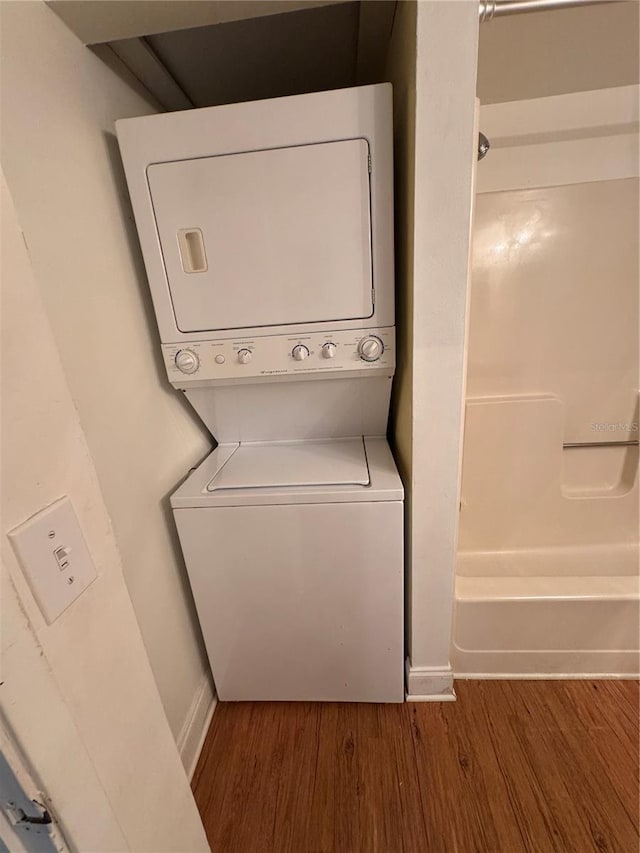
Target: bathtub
[547,567]
[547,571]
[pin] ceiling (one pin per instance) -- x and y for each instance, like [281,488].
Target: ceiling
[224,51]
[100,21]
[287,54]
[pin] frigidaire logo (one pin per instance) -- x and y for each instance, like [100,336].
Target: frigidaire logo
[608,426]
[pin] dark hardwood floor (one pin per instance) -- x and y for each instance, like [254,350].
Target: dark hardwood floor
[511,766]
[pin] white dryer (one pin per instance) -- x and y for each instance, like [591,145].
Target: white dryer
[267,234]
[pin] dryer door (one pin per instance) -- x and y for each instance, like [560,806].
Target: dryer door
[266,238]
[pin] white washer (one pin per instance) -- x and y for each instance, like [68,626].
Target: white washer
[295,559]
[267,235]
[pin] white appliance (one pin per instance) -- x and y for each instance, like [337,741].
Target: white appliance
[267,234]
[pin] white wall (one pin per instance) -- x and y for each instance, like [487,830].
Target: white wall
[78,696]
[401,72]
[559,51]
[61,162]
[437,274]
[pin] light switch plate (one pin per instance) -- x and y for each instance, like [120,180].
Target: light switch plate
[54,557]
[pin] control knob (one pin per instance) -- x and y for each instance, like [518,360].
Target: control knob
[370,349]
[328,350]
[187,361]
[300,352]
[244,356]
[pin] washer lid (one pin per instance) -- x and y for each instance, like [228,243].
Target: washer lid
[334,462]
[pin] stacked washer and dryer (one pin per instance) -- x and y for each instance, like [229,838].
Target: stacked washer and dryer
[267,235]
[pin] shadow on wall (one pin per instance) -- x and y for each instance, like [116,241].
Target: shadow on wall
[119,182]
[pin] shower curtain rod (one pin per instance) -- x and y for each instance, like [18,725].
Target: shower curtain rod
[490,9]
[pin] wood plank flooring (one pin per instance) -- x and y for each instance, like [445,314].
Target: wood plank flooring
[511,766]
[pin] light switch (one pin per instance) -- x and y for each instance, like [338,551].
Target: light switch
[61,555]
[54,557]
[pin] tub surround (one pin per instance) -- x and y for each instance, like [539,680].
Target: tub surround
[547,568]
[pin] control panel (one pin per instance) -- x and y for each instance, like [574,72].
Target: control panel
[281,355]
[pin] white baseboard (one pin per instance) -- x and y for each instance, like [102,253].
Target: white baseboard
[429,683]
[546,676]
[195,728]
